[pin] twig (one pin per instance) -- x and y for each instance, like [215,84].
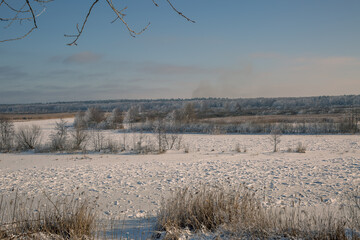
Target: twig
[77,36]
[32,13]
[120,16]
[13,9]
[180,13]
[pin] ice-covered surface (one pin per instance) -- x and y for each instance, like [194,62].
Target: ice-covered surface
[130,186]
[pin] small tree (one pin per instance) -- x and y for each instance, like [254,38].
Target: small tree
[59,137]
[160,131]
[275,135]
[172,128]
[6,134]
[28,137]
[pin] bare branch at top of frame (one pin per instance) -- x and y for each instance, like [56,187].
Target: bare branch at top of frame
[20,14]
[77,36]
[29,9]
[180,13]
[32,13]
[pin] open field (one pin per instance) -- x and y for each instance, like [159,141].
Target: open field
[130,186]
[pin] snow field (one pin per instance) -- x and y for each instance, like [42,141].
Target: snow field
[129,186]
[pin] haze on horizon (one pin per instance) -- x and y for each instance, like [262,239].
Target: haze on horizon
[236,49]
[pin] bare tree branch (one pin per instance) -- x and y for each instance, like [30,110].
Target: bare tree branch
[155,3]
[19,15]
[29,11]
[77,36]
[32,13]
[121,16]
[180,13]
[15,18]
[13,9]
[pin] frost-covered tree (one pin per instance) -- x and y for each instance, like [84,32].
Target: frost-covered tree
[115,119]
[94,116]
[131,116]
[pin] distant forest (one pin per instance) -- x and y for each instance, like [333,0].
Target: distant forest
[302,115]
[209,107]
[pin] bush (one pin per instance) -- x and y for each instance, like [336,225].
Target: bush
[27,137]
[79,137]
[59,137]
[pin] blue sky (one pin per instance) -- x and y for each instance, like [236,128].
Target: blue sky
[236,48]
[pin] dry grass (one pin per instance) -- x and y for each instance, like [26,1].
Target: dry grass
[237,148]
[39,116]
[308,118]
[221,213]
[209,208]
[238,214]
[300,148]
[61,219]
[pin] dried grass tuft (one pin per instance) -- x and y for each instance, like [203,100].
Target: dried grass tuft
[61,219]
[239,214]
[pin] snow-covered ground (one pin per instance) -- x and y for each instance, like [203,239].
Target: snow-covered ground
[130,186]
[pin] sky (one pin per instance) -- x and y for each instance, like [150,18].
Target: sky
[236,49]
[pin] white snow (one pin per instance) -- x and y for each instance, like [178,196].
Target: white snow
[132,186]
